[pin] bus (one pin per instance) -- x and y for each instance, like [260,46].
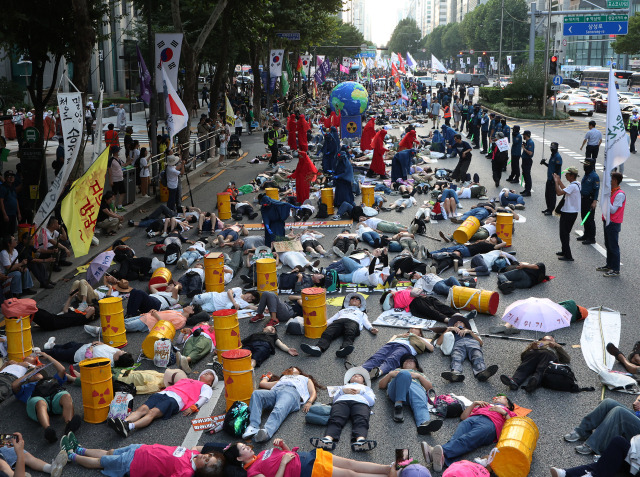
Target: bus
[634,84]
[599,78]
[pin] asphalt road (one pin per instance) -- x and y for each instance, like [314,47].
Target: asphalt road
[536,240]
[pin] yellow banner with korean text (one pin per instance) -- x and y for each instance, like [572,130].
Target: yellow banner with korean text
[81,205]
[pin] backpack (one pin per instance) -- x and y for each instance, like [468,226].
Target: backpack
[323,212]
[172,253]
[236,419]
[447,405]
[418,226]
[560,377]
[162,353]
[47,388]
[163,178]
[121,406]
[331,280]
[266,137]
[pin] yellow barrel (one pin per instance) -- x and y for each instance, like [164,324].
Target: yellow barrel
[18,331]
[267,278]
[112,322]
[224,205]
[22,228]
[164,193]
[504,227]
[214,272]
[227,330]
[97,389]
[161,275]
[484,301]
[314,311]
[238,376]
[272,192]
[367,195]
[326,197]
[162,329]
[466,230]
[517,442]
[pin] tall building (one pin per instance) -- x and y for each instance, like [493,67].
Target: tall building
[354,12]
[423,16]
[440,11]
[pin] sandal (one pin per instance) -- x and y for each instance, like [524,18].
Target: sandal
[322,443]
[363,445]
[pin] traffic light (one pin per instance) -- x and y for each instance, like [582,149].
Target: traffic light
[553,65]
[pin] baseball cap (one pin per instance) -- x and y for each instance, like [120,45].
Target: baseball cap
[572,170]
[589,160]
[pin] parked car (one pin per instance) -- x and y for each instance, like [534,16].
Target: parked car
[472,79]
[573,83]
[573,104]
[429,81]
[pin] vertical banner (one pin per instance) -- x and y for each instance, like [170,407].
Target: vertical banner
[509,60]
[306,63]
[71,116]
[350,126]
[320,59]
[97,129]
[145,78]
[468,60]
[275,67]
[168,47]
[177,115]
[346,62]
[479,59]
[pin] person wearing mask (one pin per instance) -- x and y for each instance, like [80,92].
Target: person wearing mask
[569,211]
[516,152]
[634,120]
[554,166]
[612,229]
[463,150]
[528,149]
[589,190]
[272,141]
[592,139]
[175,168]
[499,160]
[485,122]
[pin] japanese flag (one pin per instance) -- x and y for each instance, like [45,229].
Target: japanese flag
[177,116]
[275,67]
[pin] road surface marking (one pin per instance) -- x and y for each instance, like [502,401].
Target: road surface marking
[192,437]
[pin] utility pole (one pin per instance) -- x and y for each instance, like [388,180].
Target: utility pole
[532,34]
[153,130]
[546,63]
[500,53]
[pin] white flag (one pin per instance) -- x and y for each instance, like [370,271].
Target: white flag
[71,116]
[435,63]
[177,117]
[168,47]
[275,67]
[468,60]
[509,60]
[97,130]
[616,150]
[319,59]
[346,62]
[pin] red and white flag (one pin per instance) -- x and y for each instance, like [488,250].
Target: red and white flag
[401,60]
[177,117]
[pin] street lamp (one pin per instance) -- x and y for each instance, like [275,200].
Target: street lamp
[128,60]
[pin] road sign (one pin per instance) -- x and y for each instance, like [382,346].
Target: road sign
[617,3]
[557,80]
[365,54]
[564,42]
[31,134]
[471,52]
[596,25]
[289,35]
[556,87]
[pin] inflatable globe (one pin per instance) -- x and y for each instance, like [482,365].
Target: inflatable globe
[349,97]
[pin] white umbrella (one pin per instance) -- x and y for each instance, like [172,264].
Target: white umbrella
[537,314]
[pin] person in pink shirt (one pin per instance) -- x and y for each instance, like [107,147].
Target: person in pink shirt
[186,395]
[481,425]
[145,323]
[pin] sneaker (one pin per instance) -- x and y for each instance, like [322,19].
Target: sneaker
[532,385]
[338,252]
[83,306]
[122,428]
[92,330]
[131,223]
[556,472]
[426,452]
[444,237]
[345,351]
[273,322]
[323,443]
[453,377]
[602,269]
[464,273]
[437,456]
[218,369]
[182,264]
[507,381]
[487,373]
[50,435]
[350,250]
[611,349]
[58,463]
[257,317]
[183,362]
[261,436]
[584,449]
[250,432]
[573,436]
[64,444]
[314,351]
[51,342]
[398,413]
[374,373]
[120,209]
[611,273]
[429,426]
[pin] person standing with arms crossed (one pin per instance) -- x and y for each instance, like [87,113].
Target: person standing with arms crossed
[590,187]
[554,167]
[592,139]
[569,211]
[612,231]
[528,149]
[634,120]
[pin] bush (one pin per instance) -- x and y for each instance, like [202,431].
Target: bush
[492,95]
[527,113]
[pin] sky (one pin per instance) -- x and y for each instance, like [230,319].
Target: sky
[384,15]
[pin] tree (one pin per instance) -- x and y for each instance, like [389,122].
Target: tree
[630,43]
[340,34]
[528,83]
[405,38]
[452,41]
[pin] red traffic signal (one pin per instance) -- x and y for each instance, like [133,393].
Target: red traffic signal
[554,59]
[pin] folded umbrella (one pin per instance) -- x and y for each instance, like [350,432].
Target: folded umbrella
[537,314]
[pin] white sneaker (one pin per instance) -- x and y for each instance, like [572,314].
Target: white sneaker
[95,241]
[92,330]
[164,235]
[51,342]
[556,472]
[58,463]
[182,264]
[464,273]
[250,432]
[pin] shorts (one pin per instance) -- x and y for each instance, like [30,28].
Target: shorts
[206,225]
[260,351]
[165,404]
[118,464]
[310,243]
[8,454]
[307,460]
[53,404]
[118,188]
[229,232]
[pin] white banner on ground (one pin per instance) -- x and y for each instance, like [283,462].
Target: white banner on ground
[71,116]
[168,47]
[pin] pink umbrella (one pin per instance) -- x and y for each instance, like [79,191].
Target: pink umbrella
[99,266]
[537,314]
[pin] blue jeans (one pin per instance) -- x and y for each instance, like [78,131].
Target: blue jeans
[464,251]
[135,324]
[191,256]
[472,433]
[386,358]
[442,287]
[282,401]
[448,193]
[479,213]
[608,420]
[351,266]
[466,347]
[403,388]
[20,281]
[371,238]
[506,199]
[344,208]
[609,463]
[118,464]
[611,233]
[382,188]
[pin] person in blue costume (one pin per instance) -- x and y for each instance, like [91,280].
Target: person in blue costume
[330,150]
[274,214]
[401,163]
[343,180]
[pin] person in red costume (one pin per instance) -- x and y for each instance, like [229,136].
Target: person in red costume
[377,163]
[408,141]
[304,175]
[292,129]
[335,120]
[367,135]
[326,122]
[303,127]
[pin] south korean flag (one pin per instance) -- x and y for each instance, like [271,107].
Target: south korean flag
[275,67]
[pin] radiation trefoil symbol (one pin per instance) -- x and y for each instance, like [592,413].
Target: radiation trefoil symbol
[352,127]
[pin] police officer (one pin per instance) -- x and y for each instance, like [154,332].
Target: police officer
[485,123]
[633,129]
[554,166]
[528,148]
[492,133]
[506,130]
[590,187]
[272,142]
[516,152]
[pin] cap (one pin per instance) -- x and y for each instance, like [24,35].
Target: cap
[9,173]
[554,145]
[572,170]
[589,160]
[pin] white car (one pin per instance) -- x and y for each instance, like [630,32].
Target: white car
[429,81]
[628,95]
[573,104]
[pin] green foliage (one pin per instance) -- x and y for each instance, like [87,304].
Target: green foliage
[405,37]
[452,41]
[12,93]
[491,95]
[340,34]
[527,113]
[528,83]
[629,43]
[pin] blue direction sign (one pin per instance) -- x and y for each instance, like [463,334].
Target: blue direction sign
[365,54]
[596,25]
[557,80]
[289,35]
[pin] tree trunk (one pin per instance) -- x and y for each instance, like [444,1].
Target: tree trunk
[190,87]
[36,87]
[220,73]
[254,58]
